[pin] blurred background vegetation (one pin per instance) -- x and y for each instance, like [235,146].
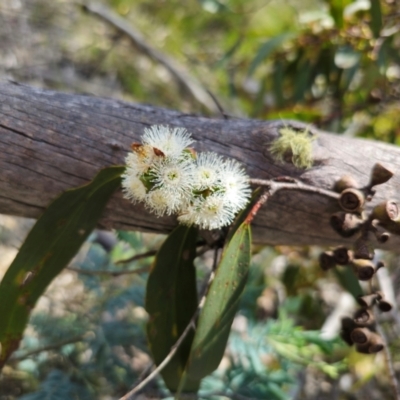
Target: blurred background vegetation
[335,64]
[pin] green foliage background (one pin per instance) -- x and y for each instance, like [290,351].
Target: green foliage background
[331,63]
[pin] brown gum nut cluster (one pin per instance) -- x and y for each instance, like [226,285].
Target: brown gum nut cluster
[360,329]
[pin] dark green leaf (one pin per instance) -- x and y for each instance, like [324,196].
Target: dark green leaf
[50,245]
[171,301]
[349,281]
[220,306]
[267,48]
[376,17]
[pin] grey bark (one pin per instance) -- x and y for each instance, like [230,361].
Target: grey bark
[51,141]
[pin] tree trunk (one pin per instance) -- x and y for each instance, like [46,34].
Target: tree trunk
[52,141]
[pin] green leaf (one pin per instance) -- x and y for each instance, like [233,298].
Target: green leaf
[171,301]
[376,17]
[349,281]
[50,245]
[336,8]
[220,306]
[267,48]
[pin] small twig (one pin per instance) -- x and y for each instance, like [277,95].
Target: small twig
[175,347]
[109,273]
[288,183]
[149,253]
[283,183]
[53,346]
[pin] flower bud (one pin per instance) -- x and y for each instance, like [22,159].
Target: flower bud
[379,175]
[364,269]
[346,225]
[364,317]
[327,260]
[345,182]
[352,200]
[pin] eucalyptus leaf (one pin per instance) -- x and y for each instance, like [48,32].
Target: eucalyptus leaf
[220,306]
[53,241]
[171,301]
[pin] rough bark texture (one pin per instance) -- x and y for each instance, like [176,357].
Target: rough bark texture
[52,141]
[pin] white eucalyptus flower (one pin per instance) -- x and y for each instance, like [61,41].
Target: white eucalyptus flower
[235,185]
[163,202]
[171,141]
[210,212]
[174,176]
[132,186]
[207,171]
[141,159]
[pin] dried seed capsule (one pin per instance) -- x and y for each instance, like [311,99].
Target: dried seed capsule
[364,269]
[364,317]
[379,295]
[342,255]
[346,225]
[375,346]
[382,237]
[345,182]
[386,211]
[352,200]
[379,175]
[327,261]
[348,325]
[361,335]
[384,305]
[363,249]
[368,300]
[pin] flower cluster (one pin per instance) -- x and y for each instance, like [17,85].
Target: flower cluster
[169,177]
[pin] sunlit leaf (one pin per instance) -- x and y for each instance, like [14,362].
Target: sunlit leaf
[50,245]
[220,306]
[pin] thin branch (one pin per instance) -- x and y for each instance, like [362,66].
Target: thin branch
[149,253]
[189,82]
[175,347]
[109,273]
[53,346]
[166,360]
[288,183]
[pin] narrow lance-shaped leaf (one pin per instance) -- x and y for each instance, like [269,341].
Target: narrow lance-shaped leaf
[171,301]
[50,245]
[349,281]
[220,306]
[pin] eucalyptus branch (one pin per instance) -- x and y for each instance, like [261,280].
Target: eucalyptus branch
[288,183]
